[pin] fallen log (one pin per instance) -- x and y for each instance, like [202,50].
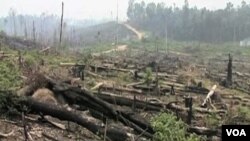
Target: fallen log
[200,110]
[49,136]
[120,89]
[151,88]
[3,135]
[44,50]
[103,107]
[173,84]
[97,86]
[135,83]
[195,89]
[93,67]
[63,114]
[144,87]
[129,102]
[86,98]
[203,131]
[161,75]
[93,74]
[122,101]
[58,125]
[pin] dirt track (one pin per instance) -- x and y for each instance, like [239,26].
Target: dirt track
[138,33]
[122,47]
[119,48]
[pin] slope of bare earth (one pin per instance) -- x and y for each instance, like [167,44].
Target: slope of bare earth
[105,33]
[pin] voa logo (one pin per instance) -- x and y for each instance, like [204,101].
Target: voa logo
[236,132]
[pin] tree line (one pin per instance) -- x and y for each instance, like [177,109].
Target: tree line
[187,23]
[44,28]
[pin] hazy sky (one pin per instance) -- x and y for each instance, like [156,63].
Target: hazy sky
[96,9]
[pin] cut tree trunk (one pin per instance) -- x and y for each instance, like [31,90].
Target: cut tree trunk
[6,135]
[208,97]
[129,102]
[128,90]
[97,86]
[86,98]
[99,68]
[203,131]
[64,114]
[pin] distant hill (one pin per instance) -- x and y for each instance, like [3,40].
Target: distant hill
[75,33]
[104,33]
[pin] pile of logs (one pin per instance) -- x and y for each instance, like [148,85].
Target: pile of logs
[103,106]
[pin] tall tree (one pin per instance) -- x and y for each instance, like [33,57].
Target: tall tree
[12,14]
[34,31]
[230,24]
[60,40]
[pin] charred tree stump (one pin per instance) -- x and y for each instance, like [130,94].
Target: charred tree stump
[229,71]
[136,75]
[61,26]
[172,91]
[20,59]
[134,104]
[82,75]
[199,84]
[189,104]
[24,128]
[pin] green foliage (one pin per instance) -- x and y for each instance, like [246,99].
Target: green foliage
[9,75]
[31,58]
[169,128]
[240,116]
[10,104]
[212,121]
[148,76]
[244,112]
[190,23]
[201,50]
[97,48]
[124,77]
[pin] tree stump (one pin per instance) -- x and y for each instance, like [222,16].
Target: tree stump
[189,104]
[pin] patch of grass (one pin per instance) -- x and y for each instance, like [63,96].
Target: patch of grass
[201,50]
[11,104]
[212,121]
[9,75]
[125,77]
[97,48]
[238,116]
[169,128]
[148,78]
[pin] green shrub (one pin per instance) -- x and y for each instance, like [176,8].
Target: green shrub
[148,78]
[212,121]
[10,104]
[238,116]
[9,76]
[169,128]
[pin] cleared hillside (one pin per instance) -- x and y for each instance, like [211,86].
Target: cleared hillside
[105,33]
